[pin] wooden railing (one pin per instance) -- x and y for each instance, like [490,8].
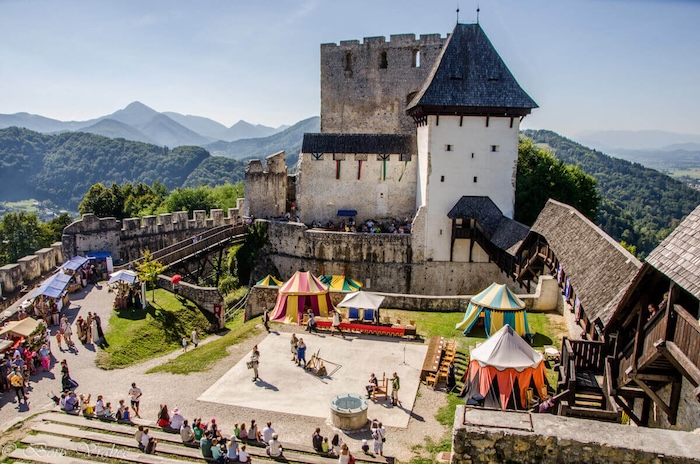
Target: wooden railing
[588,355]
[676,327]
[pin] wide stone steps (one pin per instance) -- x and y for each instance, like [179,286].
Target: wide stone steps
[61,438]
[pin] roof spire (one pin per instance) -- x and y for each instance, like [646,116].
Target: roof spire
[477,12]
[457,12]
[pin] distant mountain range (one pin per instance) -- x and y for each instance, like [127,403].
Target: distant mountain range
[140,123]
[610,141]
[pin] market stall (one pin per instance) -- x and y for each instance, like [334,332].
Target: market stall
[122,283]
[50,297]
[76,268]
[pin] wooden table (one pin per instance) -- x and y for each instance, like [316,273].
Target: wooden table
[431,365]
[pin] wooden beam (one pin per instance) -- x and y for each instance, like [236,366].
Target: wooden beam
[652,394]
[630,413]
[674,400]
[681,362]
[630,392]
[657,378]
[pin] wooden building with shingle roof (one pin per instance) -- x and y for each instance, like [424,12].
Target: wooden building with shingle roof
[656,335]
[593,269]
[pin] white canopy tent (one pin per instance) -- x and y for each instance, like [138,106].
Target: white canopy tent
[364,300]
[506,350]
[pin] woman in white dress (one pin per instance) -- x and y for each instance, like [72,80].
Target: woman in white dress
[93,330]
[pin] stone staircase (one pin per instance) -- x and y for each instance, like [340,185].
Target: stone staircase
[60,438]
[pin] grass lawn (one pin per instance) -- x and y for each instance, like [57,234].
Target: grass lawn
[137,335]
[205,356]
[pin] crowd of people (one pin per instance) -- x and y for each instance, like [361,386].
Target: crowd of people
[370,226]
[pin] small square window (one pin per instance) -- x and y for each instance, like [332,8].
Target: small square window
[494,148]
[475,179]
[448,147]
[442,178]
[338,156]
[405,157]
[472,155]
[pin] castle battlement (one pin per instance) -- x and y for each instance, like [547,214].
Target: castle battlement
[395,40]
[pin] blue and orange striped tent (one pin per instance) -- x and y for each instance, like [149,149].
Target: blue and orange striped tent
[302,292]
[500,306]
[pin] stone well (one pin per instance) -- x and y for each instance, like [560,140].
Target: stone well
[349,411]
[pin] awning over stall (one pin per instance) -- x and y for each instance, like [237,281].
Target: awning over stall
[23,328]
[52,287]
[75,263]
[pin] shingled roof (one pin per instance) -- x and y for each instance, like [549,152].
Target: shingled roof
[678,256]
[356,143]
[469,77]
[600,270]
[500,230]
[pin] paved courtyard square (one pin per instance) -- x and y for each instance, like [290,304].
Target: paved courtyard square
[287,388]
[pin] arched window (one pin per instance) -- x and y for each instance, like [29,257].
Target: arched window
[382,61]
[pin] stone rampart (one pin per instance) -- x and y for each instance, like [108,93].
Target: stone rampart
[489,436]
[365,87]
[127,239]
[382,262]
[688,413]
[204,297]
[266,188]
[27,271]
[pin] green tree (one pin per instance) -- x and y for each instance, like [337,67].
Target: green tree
[20,235]
[149,269]
[101,201]
[190,199]
[541,176]
[53,230]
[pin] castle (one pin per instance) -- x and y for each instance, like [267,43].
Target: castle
[413,131]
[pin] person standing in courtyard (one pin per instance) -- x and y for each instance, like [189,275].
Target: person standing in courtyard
[293,346]
[255,362]
[378,435]
[301,353]
[336,324]
[135,393]
[195,338]
[395,386]
[266,320]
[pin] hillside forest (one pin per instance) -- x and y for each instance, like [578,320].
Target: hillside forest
[122,178]
[639,206]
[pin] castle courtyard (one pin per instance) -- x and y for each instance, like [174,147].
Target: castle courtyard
[287,388]
[226,392]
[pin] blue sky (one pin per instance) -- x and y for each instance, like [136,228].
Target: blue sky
[589,64]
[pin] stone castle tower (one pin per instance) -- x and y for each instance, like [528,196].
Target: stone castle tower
[421,131]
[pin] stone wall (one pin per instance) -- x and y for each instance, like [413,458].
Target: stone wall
[489,436]
[266,188]
[382,262]
[204,297]
[127,239]
[27,271]
[266,297]
[365,87]
[688,418]
[364,189]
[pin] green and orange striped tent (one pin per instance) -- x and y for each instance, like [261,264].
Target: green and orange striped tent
[302,292]
[340,283]
[500,307]
[269,281]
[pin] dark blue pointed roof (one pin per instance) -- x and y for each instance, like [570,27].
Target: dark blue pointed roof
[469,77]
